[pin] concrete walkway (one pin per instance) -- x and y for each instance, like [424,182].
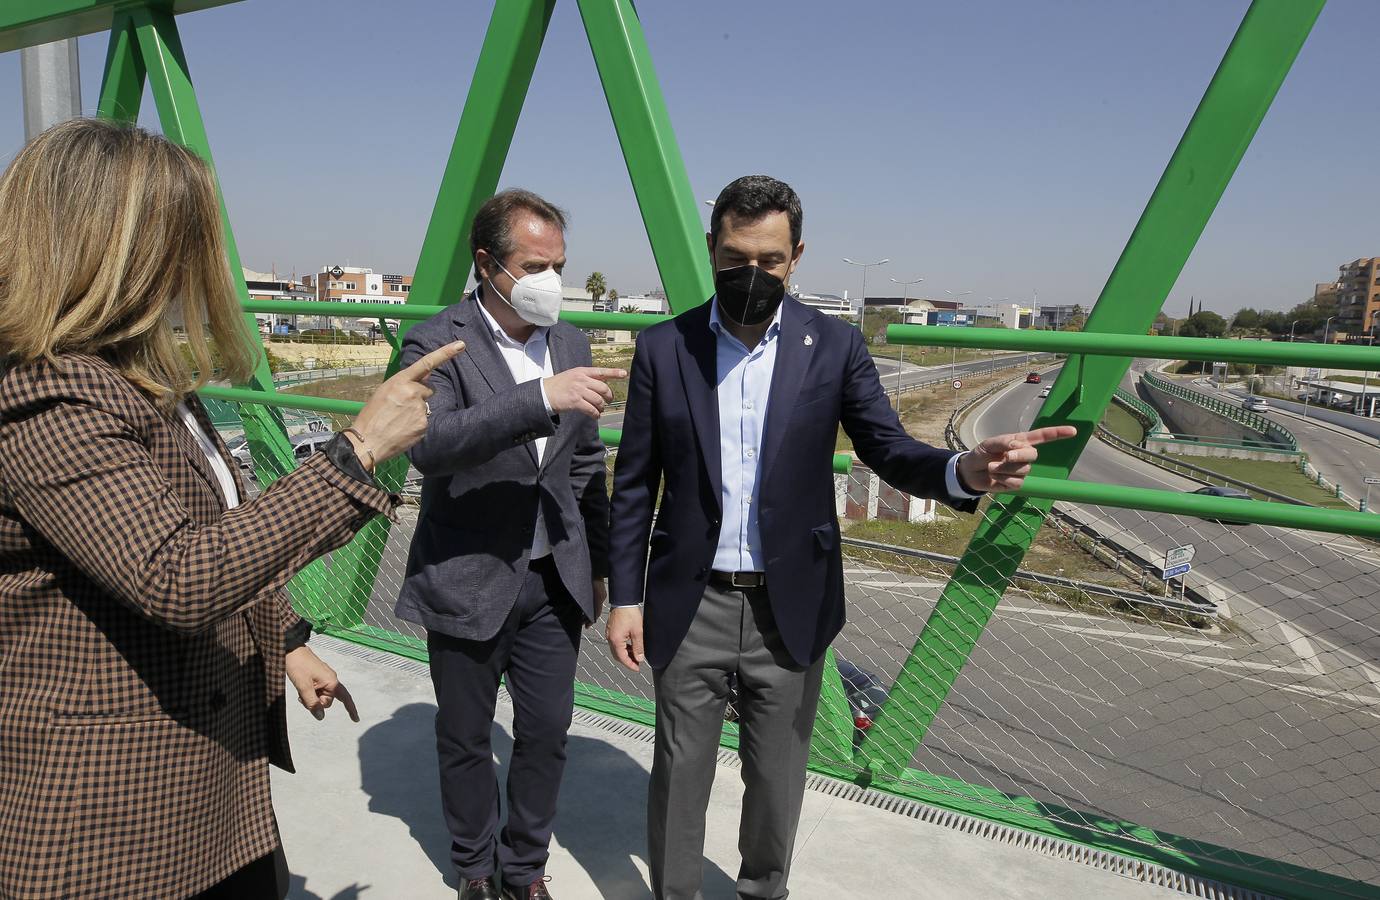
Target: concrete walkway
[361,818]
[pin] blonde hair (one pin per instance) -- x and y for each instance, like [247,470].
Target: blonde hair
[106,233]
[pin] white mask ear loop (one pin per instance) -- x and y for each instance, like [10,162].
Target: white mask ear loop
[499,293]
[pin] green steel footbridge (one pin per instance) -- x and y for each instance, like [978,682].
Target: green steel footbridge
[1221,753]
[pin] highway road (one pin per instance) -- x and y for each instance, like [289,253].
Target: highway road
[1312,632]
[1320,588]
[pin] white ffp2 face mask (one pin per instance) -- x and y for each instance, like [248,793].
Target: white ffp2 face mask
[536,298]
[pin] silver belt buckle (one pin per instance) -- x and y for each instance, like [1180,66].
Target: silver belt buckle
[733,580]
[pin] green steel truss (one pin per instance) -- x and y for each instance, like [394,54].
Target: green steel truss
[145,49]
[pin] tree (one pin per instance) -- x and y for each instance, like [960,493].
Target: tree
[595,285]
[876,323]
[630,309]
[1246,319]
[1203,323]
[613,299]
[1077,319]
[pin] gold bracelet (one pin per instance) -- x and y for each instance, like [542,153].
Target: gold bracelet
[373,463]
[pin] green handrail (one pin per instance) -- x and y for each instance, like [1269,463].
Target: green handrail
[406,312]
[1278,353]
[1203,506]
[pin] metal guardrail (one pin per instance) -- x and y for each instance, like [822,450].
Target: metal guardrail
[998,363]
[298,376]
[1268,429]
[1134,598]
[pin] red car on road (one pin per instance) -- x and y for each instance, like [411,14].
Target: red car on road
[1032,378]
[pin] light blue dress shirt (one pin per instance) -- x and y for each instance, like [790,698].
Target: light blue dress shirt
[743,390]
[744,387]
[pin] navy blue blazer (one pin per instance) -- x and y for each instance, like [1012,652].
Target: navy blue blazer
[823,376]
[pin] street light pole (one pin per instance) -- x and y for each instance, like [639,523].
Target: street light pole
[953,360]
[862,314]
[1365,377]
[901,358]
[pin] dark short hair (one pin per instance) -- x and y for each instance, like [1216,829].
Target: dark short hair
[492,229]
[754,196]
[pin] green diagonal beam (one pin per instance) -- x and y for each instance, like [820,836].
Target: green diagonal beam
[655,166]
[497,91]
[145,41]
[122,85]
[1256,63]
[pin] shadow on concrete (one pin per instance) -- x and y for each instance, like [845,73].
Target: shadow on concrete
[297,890]
[601,823]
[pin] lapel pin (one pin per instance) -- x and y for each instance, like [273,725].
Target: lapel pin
[809,341]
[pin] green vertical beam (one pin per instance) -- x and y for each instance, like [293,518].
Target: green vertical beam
[658,174]
[156,43]
[1260,56]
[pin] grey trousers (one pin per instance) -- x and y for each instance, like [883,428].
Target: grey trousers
[733,632]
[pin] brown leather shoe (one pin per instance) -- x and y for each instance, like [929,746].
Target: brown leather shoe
[534,891]
[480,889]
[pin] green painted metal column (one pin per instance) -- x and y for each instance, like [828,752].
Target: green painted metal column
[658,174]
[1255,64]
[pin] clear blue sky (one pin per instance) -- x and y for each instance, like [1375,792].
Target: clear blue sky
[997,147]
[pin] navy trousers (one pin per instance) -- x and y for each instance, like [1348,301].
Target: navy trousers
[536,650]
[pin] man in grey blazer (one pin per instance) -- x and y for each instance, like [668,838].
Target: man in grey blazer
[511,548]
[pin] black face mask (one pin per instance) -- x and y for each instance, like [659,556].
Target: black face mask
[749,295]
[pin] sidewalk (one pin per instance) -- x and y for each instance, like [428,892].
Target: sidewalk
[361,818]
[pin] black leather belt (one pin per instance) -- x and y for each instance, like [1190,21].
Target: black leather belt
[739,580]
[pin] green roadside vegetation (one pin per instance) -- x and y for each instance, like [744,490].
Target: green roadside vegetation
[928,356]
[348,387]
[1200,367]
[614,358]
[1051,554]
[1122,424]
[1280,477]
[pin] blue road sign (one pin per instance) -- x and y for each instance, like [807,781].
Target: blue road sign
[1176,571]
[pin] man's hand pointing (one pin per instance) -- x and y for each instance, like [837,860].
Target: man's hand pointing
[1001,463]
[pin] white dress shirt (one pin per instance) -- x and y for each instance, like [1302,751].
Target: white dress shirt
[224,477]
[526,361]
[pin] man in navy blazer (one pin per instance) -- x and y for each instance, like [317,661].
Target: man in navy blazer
[732,413]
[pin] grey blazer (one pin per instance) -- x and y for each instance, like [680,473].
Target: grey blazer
[482,484]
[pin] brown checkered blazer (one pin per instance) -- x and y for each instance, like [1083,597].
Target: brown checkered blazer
[141,639]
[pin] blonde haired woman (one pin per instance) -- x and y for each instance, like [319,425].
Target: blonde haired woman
[144,628]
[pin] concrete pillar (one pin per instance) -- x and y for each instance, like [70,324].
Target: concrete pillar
[51,79]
